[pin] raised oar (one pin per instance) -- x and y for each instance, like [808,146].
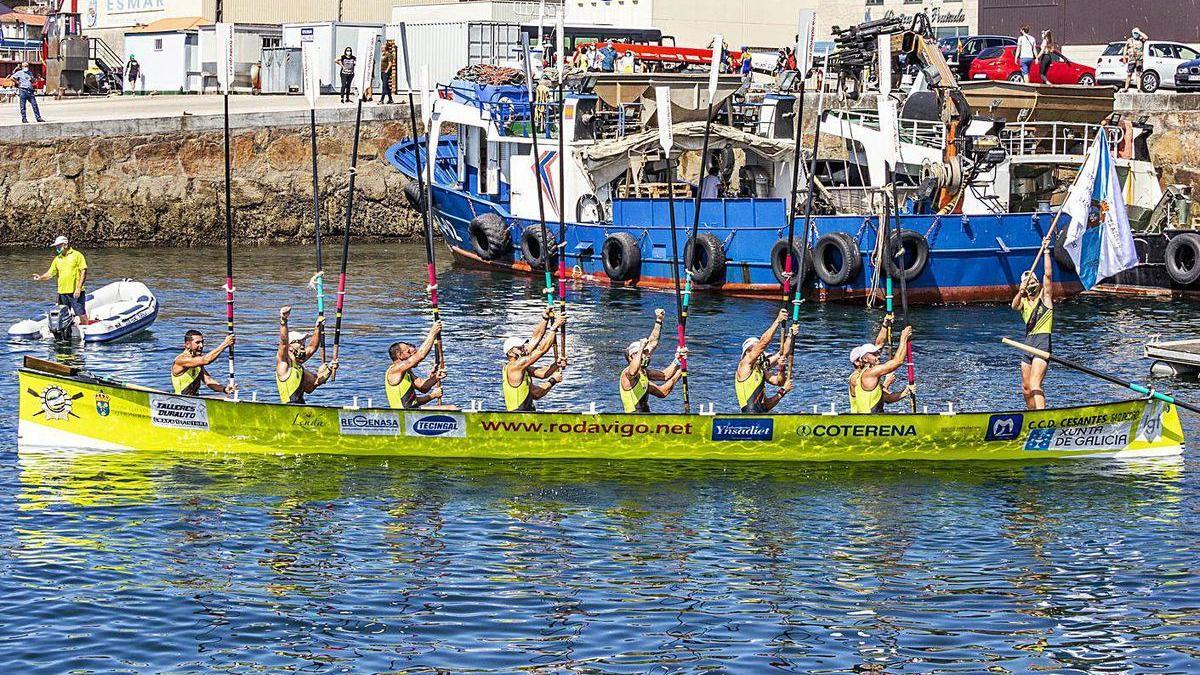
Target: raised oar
[808,207]
[804,36]
[312,90]
[224,38]
[368,56]
[666,140]
[537,172]
[714,72]
[1132,386]
[425,201]
[562,179]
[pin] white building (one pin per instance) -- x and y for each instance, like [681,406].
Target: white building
[168,51]
[948,17]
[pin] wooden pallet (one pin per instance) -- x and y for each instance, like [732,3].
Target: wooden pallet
[654,191]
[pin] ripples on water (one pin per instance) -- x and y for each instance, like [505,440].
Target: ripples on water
[152,562]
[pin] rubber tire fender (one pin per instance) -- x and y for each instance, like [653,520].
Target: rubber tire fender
[844,245]
[621,256]
[532,246]
[489,235]
[705,258]
[414,197]
[1060,252]
[907,238]
[779,259]
[1185,242]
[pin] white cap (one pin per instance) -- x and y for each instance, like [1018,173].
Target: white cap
[635,347]
[61,241]
[513,343]
[748,343]
[862,350]
[297,336]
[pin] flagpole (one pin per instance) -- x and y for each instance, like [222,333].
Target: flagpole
[1058,214]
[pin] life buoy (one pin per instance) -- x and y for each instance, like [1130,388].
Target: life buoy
[621,256]
[1183,258]
[414,196]
[705,258]
[533,248]
[489,235]
[779,260]
[1060,252]
[916,254]
[589,209]
[838,259]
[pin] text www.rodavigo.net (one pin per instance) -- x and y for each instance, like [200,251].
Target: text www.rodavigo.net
[623,429]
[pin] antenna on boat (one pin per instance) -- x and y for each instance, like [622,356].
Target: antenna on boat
[425,201]
[666,139]
[537,172]
[804,44]
[310,57]
[223,33]
[560,41]
[366,47]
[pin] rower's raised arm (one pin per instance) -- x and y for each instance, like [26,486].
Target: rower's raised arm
[881,338]
[282,354]
[767,337]
[656,332]
[1047,278]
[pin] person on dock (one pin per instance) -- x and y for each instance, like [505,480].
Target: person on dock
[1133,56]
[754,371]
[404,390]
[519,390]
[871,381]
[1035,301]
[70,267]
[189,372]
[387,72]
[26,92]
[346,63]
[1026,52]
[638,380]
[292,380]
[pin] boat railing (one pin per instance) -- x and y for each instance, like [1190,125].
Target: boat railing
[513,115]
[1055,138]
[916,132]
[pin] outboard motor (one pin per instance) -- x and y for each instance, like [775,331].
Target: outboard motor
[61,322]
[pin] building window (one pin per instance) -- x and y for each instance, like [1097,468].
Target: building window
[158,44]
[269,41]
[874,2]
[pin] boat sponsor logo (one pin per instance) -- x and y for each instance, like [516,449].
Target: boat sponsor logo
[178,412]
[1005,427]
[1095,437]
[1150,428]
[307,419]
[857,430]
[444,425]
[738,429]
[102,407]
[359,423]
[56,402]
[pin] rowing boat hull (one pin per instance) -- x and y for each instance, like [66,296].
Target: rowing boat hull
[80,412]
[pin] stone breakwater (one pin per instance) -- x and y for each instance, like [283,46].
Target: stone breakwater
[160,181]
[1175,143]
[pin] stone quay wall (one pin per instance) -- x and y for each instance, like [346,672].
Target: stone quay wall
[160,181]
[1175,143]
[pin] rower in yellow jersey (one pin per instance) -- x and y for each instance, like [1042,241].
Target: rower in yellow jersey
[404,390]
[517,376]
[871,379]
[754,371]
[1035,301]
[292,380]
[638,380]
[188,372]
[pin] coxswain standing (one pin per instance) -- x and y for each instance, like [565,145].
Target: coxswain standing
[292,380]
[638,380]
[404,390]
[871,379]
[517,376]
[70,267]
[188,372]
[1035,302]
[754,370]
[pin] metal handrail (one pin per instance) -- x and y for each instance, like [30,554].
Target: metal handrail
[1055,138]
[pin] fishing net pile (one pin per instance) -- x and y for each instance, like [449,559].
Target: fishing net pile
[493,75]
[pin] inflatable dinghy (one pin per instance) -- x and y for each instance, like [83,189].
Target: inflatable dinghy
[118,310]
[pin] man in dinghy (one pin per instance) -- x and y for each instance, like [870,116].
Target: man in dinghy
[517,376]
[404,390]
[871,379]
[292,380]
[754,371]
[638,380]
[70,267]
[189,371]
[1035,302]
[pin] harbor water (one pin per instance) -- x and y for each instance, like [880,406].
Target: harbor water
[152,562]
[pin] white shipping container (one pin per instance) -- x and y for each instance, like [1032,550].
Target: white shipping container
[249,39]
[447,47]
[332,38]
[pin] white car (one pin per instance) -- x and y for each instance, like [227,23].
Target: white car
[1159,62]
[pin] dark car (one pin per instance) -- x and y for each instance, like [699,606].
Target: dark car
[1187,76]
[961,52]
